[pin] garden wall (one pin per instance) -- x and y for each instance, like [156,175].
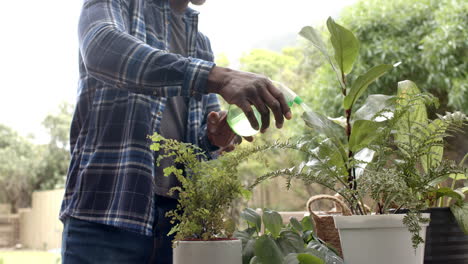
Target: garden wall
[40,227]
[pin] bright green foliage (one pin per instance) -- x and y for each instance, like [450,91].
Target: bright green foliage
[345,44]
[206,192]
[295,243]
[427,36]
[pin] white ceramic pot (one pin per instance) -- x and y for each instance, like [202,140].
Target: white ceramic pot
[208,252]
[378,239]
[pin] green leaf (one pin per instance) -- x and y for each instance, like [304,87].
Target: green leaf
[273,222]
[252,218]
[324,126]
[305,258]
[363,132]
[290,242]
[345,44]
[362,82]
[248,251]
[461,215]
[448,192]
[267,251]
[415,117]
[375,103]
[296,224]
[313,36]
[308,224]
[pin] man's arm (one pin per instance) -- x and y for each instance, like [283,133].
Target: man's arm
[112,55]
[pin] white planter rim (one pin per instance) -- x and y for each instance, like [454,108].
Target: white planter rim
[373,221]
[220,241]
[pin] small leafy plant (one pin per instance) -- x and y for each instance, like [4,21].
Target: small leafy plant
[207,190]
[294,243]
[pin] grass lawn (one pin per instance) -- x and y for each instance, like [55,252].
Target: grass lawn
[28,257]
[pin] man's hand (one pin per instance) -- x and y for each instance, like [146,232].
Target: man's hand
[245,89]
[220,134]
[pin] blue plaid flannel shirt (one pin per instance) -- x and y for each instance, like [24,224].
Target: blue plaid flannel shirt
[126,75]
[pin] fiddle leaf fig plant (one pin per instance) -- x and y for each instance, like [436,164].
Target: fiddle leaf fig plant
[354,155]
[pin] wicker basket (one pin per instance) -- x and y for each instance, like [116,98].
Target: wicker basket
[324,223]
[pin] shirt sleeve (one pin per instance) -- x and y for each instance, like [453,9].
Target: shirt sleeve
[112,55]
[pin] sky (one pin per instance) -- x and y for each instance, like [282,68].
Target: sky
[39,47]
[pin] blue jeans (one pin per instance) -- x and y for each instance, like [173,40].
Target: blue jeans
[86,242]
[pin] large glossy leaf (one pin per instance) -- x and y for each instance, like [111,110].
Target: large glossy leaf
[267,251]
[305,258]
[314,36]
[362,82]
[415,117]
[345,44]
[330,154]
[273,222]
[376,103]
[308,224]
[363,132]
[365,155]
[448,192]
[461,215]
[290,242]
[322,125]
[252,218]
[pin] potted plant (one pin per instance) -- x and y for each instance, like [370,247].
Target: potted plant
[203,232]
[418,155]
[341,149]
[294,243]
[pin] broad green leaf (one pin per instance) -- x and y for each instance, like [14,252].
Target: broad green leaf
[375,103]
[308,224]
[296,224]
[362,82]
[345,44]
[448,192]
[313,36]
[267,251]
[324,126]
[252,218]
[363,132]
[415,117]
[461,215]
[273,222]
[305,258]
[365,155]
[328,153]
[290,242]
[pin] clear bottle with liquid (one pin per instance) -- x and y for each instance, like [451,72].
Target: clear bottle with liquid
[239,122]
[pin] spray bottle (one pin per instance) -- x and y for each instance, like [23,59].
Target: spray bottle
[239,122]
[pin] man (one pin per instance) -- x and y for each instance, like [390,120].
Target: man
[144,67]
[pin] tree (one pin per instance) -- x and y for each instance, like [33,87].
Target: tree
[56,155]
[26,167]
[19,160]
[427,36]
